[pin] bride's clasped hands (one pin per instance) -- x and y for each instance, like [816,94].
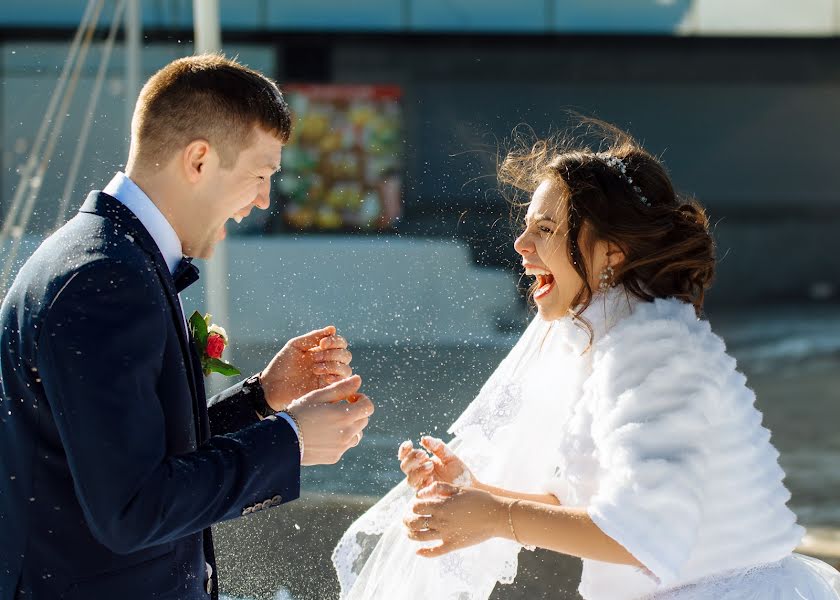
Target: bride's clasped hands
[451,505]
[457,516]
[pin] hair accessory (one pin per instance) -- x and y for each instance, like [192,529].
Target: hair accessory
[618,164]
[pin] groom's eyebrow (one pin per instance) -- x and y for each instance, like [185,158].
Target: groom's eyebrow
[275,168]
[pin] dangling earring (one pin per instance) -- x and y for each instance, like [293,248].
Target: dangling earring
[606,279]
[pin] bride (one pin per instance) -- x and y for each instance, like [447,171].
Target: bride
[617,430]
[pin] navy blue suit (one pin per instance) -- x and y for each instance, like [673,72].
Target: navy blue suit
[112,466]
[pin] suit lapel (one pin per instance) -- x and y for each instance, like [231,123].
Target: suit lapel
[102,204]
[203,419]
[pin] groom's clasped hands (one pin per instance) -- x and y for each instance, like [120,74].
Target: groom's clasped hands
[311,379]
[306,363]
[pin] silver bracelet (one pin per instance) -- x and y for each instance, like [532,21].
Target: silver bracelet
[510,521]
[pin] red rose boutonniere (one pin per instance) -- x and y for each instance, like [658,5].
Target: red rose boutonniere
[210,340]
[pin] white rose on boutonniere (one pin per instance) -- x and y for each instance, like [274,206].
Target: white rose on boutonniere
[211,340]
[216,329]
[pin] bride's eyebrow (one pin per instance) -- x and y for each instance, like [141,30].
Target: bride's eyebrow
[537,217]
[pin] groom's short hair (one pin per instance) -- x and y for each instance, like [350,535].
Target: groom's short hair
[208,97]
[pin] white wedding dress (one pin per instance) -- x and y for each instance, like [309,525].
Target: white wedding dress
[652,430]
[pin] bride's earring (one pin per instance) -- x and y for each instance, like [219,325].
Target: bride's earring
[606,279]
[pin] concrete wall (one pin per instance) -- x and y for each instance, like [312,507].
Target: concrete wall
[376,291]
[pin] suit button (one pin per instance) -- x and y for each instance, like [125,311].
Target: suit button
[266,504]
[257,507]
[248,511]
[277,500]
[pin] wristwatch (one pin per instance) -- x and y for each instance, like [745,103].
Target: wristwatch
[253,388]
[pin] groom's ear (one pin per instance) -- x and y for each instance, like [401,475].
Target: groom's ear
[195,157]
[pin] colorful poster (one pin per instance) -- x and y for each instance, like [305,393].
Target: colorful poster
[342,168]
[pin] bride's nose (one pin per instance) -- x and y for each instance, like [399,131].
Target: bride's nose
[523,244]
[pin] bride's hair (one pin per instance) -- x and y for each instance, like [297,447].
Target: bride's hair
[616,191]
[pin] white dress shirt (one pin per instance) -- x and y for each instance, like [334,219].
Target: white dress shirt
[129,193]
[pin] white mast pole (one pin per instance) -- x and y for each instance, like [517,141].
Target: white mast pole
[208,33]
[133,48]
[208,39]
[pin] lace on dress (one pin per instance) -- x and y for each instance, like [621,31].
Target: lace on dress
[507,437]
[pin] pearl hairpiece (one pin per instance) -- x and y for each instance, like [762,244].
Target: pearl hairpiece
[618,164]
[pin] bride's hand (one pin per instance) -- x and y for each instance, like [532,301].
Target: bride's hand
[423,468]
[458,517]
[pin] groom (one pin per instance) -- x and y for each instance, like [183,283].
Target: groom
[112,466]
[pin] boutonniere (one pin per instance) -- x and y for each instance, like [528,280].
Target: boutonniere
[211,340]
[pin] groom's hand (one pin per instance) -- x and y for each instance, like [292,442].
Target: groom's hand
[328,426]
[305,363]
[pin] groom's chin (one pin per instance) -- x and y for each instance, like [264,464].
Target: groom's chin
[207,252]
[203,251]
[208,246]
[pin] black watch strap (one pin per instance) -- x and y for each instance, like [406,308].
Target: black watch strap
[254,389]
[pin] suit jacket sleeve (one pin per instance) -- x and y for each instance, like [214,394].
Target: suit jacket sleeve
[231,410]
[99,359]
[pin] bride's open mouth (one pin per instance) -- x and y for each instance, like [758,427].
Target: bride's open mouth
[545,283]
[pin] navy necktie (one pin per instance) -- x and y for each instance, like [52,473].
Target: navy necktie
[185,274]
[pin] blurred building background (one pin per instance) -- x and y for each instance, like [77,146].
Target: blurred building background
[739,98]
[413,101]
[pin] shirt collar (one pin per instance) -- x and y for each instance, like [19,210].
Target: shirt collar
[129,193]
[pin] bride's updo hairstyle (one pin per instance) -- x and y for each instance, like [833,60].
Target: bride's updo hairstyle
[618,193]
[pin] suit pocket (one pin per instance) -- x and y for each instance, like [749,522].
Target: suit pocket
[156,578]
